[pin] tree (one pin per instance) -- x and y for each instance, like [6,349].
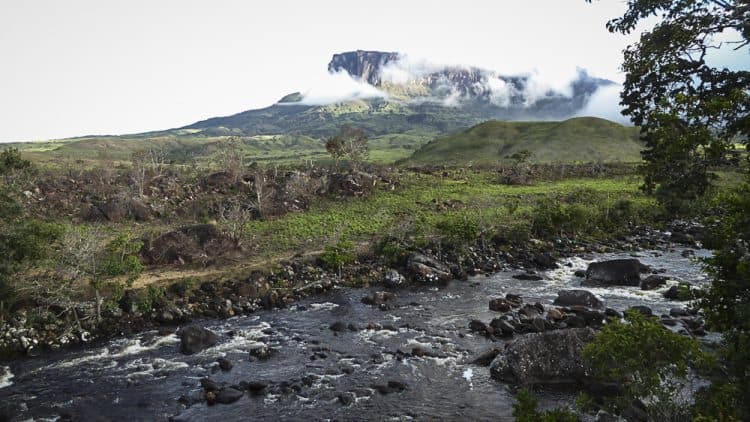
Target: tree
[727,303]
[351,143]
[23,240]
[89,255]
[689,112]
[647,361]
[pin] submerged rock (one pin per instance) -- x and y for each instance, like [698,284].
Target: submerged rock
[549,358]
[194,339]
[228,395]
[653,282]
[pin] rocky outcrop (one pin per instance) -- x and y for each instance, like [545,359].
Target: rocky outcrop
[365,65]
[549,358]
[426,269]
[617,272]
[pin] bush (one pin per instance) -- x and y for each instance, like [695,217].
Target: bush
[391,250]
[152,297]
[647,360]
[525,410]
[338,255]
[459,231]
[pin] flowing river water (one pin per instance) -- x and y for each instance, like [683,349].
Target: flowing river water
[315,373]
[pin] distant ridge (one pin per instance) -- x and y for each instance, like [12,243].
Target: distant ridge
[580,139]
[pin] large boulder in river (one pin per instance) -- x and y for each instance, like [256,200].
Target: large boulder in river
[549,358]
[194,339]
[617,272]
[426,269]
[577,297]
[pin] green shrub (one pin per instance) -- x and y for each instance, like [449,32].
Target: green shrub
[647,360]
[459,231]
[338,255]
[525,410]
[151,297]
[391,250]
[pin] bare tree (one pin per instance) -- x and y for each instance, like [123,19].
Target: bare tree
[262,192]
[349,142]
[140,161]
[231,158]
[234,218]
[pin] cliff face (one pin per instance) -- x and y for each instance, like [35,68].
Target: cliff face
[464,85]
[365,65]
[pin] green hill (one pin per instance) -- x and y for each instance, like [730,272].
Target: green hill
[580,139]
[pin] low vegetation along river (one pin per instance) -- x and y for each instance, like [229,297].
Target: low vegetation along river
[328,357]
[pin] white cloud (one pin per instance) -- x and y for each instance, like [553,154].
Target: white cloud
[339,86]
[604,103]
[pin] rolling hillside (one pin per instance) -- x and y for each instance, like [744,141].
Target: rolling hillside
[580,139]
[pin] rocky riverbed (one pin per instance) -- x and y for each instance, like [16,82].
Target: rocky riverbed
[411,351]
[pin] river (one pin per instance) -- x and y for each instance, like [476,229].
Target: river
[315,373]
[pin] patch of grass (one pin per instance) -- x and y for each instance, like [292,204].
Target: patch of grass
[482,203]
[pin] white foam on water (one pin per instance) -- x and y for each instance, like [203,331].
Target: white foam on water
[324,306]
[271,398]
[242,341]
[468,374]
[5,377]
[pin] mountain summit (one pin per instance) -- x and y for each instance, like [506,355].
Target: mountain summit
[415,98]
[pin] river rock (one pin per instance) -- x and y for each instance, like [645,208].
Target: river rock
[500,305]
[555,314]
[577,297]
[485,358]
[617,272]
[426,269]
[642,309]
[228,395]
[653,282]
[224,364]
[528,277]
[549,358]
[501,328]
[194,339]
[393,278]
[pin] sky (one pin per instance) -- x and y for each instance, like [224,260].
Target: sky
[81,67]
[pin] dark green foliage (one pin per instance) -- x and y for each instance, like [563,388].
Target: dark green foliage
[459,231]
[587,212]
[151,297]
[727,302]
[689,112]
[23,241]
[525,410]
[338,255]
[391,250]
[120,257]
[10,160]
[646,360]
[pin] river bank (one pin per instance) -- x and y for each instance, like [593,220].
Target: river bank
[345,352]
